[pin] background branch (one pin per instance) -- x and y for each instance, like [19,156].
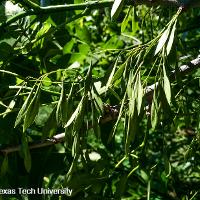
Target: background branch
[176,3]
[90,5]
[184,69]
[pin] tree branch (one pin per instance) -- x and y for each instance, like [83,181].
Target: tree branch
[90,5]
[175,3]
[43,143]
[184,69]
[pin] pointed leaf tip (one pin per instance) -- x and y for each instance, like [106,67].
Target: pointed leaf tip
[116,8]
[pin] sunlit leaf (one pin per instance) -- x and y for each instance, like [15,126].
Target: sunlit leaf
[154,111]
[59,109]
[10,107]
[171,39]
[65,109]
[129,85]
[83,33]
[76,112]
[118,72]
[135,26]
[162,40]
[167,166]
[125,21]
[111,76]
[116,8]
[32,109]
[167,87]
[97,100]
[39,38]
[68,47]
[46,81]
[23,109]
[139,94]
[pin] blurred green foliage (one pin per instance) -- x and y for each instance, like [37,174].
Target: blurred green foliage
[62,73]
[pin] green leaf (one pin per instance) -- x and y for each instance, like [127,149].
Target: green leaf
[88,80]
[78,2]
[133,117]
[135,26]
[76,112]
[65,110]
[167,88]
[27,161]
[113,43]
[4,166]
[132,126]
[26,153]
[63,107]
[154,111]
[10,106]
[46,81]
[75,146]
[129,85]
[125,21]
[50,126]
[68,176]
[80,117]
[162,40]
[171,38]
[24,107]
[32,110]
[139,94]
[39,38]
[167,166]
[118,119]
[119,72]
[95,117]
[84,49]
[97,100]
[59,109]
[167,114]
[114,94]
[144,176]
[68,47]
[116,9]
[83,33]
[111,75]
